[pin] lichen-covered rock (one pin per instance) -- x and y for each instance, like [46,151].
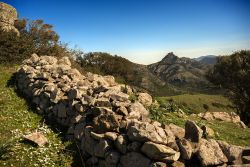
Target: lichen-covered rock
[160,152]
[210,153]
[145,99]
[231,152]
[177,131]
[134,159]
[144,131]
[106,120]
[8,15]
[186,149]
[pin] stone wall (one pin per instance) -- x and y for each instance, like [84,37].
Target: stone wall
[8,15]
[112,130]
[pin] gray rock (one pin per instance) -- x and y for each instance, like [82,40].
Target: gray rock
[110,135]
[134,146]
[177,131]
[192,131]
[134,159]
[79,130]
[37,138]
[160,152]
[186,149]
[136,111]
[106,120]
[112,157]
[101,148]
[122,110]
[144,131]
[64,61]
[210,153]
[145,99]
[158,164]
[102,102]
[121,143]
[231,152]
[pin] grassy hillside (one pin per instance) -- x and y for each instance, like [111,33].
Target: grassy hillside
[194,103]
[18,119]
[227,131]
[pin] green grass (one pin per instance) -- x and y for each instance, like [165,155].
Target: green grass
[227,131]
[16,120]
[194,103]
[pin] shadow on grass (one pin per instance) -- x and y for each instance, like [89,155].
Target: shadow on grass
[72,148]
[5,149]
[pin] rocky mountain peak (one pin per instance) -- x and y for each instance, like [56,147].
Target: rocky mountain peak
[169,58]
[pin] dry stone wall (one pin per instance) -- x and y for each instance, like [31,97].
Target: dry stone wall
[112,130]
[8,15]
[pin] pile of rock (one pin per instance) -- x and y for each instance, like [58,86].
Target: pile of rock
[112,130]
[8,15]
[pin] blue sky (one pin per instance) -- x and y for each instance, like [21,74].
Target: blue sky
[145,30]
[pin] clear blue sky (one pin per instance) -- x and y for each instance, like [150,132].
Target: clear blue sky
[145,30]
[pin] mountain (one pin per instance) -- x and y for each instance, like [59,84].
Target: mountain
[209,59]
[185,73]
[172,75]
[125,71]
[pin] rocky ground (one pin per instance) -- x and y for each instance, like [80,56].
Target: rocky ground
[111,129]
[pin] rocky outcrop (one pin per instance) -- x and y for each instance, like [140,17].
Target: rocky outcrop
[222,116]
[110,129]
[8,15]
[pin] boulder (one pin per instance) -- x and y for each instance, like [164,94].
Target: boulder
[112,158]
[134,146]
[207,132]
[8,15]
[210,153]
[136,111]
[186,149]
[177,131]
[158,164]
[160,152]
[111,136]
[231,152]
[64,61]
[134,159]
[101,148]
[121,143]
[145,99]
[106,120]
[192,131]
[144,131]
[37,137]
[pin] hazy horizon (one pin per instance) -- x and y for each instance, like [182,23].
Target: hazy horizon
[145,31]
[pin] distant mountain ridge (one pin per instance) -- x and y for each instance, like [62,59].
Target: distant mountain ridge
[209,59]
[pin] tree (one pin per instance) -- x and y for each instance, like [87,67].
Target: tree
[35,37]
[233,73]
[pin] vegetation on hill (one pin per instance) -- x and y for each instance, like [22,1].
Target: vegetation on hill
[233,73]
